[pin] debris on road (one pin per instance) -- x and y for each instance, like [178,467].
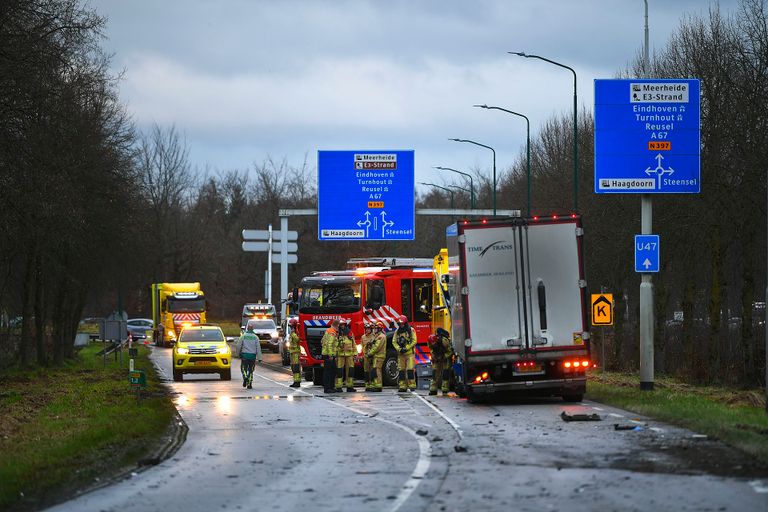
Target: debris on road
[422,432]
[459,448]
[617,426]
[580,417]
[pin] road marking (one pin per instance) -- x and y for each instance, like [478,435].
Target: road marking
[615,415]
[425,450]
[452,423]
[598,408]
[656,429]
[637,422]
[759,486]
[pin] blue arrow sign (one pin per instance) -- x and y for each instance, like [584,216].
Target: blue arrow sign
[646,253]
[365,195]
[647,136]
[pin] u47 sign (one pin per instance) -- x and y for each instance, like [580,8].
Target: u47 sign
[647,136]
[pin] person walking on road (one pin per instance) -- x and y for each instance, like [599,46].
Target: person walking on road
[345,360]
[378,353]
[329,356]
[441,353]
[404,342]
[294,349]
[249,348]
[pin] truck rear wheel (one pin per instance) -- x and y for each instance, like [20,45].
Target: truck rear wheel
[576,397]
[472,396]
[317,376]
[390,371]
[308,375]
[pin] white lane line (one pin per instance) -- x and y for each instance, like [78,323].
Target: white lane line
[656,429]
[637,422]
[759,486]
[425,450]
[598,408]
[615,415]
[452,423]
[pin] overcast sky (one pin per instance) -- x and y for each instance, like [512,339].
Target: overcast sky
[248,79]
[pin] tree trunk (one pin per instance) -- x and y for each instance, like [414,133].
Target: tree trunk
[27,309]
[42,355]
[711,366]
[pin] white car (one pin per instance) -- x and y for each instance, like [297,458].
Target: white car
[266,330]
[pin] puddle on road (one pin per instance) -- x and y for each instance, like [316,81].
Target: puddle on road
[186,400]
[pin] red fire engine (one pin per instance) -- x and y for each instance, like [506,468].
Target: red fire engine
[370,290]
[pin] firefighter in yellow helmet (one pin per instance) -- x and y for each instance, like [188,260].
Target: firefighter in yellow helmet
[346,350]
[378,354]
[404,342]
[294,349]
[441,353]
[366,341]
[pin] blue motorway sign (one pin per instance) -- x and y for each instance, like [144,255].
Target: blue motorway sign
[646,253]
[365,195]
[647,136]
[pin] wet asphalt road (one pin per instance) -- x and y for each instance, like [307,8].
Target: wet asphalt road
[277,448]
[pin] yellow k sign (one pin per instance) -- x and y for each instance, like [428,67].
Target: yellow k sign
[602,309]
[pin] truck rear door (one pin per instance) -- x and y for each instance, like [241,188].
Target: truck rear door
[492,289]
[555,283]
[520,284]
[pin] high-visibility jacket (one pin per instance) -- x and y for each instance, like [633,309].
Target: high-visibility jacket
[346,345]
[366,340]
[329,342]
[378,346]
[404,338]
[294,346]
[248,346]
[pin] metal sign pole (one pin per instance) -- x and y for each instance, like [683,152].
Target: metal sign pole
[283,260]
[646,285]
[269,267]
[646,305]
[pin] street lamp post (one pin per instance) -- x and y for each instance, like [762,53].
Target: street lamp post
[438,186]
[494,166]
[471,185]
[527,145]
[575,126]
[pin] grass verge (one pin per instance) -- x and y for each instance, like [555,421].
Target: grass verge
[67,428]
[735,417]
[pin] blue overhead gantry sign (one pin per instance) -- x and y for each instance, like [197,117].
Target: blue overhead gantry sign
[365,195]
[647,136]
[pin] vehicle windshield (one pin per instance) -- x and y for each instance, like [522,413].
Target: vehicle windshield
[186,305]
[201,335]
[330,298]
[261,324]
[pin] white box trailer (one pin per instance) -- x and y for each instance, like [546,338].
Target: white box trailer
[518,303]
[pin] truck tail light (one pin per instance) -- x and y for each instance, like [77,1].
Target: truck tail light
[482,377]
[576,364]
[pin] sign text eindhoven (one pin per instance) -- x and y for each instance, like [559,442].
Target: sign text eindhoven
[647,136]
[365,195]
